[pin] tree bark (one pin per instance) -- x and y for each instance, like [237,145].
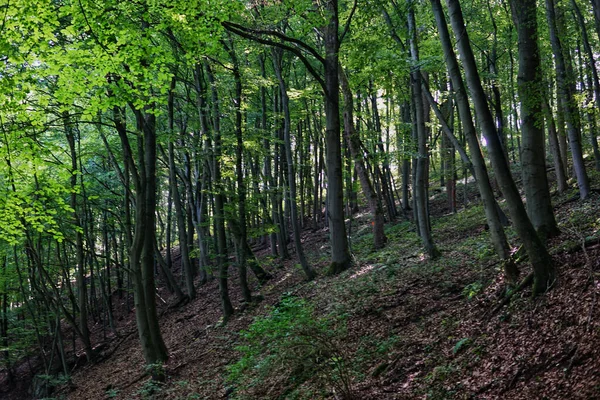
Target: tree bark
[340,254]
[567,103]
[287,142]
[219,213]
[594,89]
[538,255]
[531,91]
[354,145]
[179,212]
[421,181]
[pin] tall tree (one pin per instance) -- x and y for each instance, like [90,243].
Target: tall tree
[531,92]
[544,272]
[421,181]
[332,38]
[287,143]
[567,102]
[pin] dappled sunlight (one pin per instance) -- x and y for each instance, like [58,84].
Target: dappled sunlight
[283,278]
[362,271]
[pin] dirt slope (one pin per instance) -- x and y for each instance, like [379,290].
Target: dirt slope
[414,328]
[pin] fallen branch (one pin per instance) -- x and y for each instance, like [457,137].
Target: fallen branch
[524,283]
[579,246]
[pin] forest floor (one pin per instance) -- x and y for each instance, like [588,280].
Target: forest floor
[402,326]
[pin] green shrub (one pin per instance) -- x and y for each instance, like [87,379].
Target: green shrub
[292,348]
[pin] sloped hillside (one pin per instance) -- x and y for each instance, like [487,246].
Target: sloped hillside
[395,326]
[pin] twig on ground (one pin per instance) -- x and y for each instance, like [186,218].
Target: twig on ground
[524,283]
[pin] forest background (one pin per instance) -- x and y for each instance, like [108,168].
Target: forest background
[236,131]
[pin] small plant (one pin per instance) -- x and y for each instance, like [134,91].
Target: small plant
[43,386]
[156,371]
[150,389]
[461,344]
[293,346]
[472,290]
[440,373]
[111,393]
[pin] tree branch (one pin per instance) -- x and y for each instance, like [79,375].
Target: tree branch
[278,35]
[348,21]
[245,33]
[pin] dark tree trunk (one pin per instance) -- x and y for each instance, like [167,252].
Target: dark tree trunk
[355,145]
[544,273]
[241,235]
[594,89]
[219,213]
[179,211]
[285,104]
[567,103]
[79,248]
[531,92]
[421,181]
[340,254]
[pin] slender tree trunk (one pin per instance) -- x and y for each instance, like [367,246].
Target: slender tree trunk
[354,144]
[340,254]
[306,267]
[559,169]
[80,262]
[567,103]
[219,213]
[203,196]
[531,91]
[179,211]
[241,235]
[421,170]
[595,88]
[544,273]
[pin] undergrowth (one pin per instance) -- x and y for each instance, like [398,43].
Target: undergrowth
[289,348]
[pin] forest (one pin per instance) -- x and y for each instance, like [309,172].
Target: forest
[300,199]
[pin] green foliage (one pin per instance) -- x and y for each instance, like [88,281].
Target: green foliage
[111,393]
[292,346]
[156,371]
[472,290]
[45,385]
[150,390]
[461,344]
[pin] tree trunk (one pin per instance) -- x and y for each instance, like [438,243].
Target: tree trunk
[340,254]
[179,212]
[595,88]
[538,255]
[285,103]
[559,169]
[80,276]
[354,146]
[531,92]
[421,181]
[219,213]
[567,103]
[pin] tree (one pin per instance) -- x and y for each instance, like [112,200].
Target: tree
[531,92]
[287,143]
[421,181]
[544,273]
[329,81]
[567,103]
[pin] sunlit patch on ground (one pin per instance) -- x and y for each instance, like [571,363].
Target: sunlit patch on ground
[362,271]
[410,379]
[283,278]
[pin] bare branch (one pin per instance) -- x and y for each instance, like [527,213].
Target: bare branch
[249,34]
